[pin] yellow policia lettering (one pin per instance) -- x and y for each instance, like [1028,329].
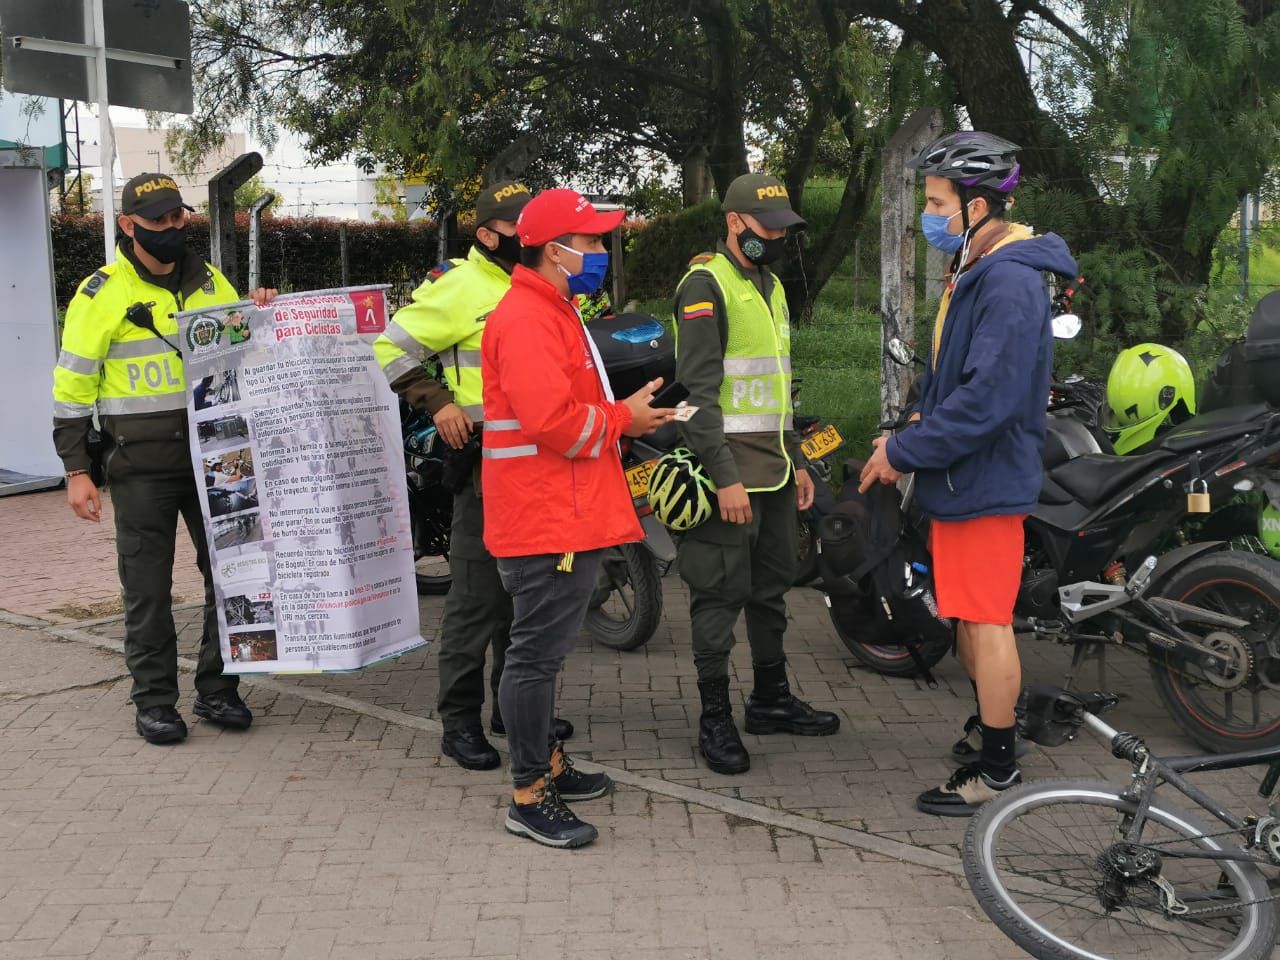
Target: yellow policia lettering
[509,191]
[771,191]
[162,183]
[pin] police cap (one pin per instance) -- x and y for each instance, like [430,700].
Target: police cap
[501,201]
[150,195]
[765,198]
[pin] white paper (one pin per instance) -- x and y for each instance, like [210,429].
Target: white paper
[295,436]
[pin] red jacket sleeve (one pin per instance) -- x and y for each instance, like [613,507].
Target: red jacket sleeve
[534,363]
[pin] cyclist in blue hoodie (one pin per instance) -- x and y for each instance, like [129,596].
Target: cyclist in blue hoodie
[980,425]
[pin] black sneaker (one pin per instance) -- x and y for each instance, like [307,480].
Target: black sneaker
[571,783]
[162,724]
[969,747]
[223,707]
[962,795]
[547,820]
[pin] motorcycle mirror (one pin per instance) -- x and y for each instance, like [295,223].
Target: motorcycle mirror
[1066,326]
[899,352]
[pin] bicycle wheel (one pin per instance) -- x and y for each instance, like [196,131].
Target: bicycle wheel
[1044,862]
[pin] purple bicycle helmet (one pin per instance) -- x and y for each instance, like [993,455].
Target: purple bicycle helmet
[971,158]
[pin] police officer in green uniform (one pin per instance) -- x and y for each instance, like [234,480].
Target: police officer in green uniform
[446,319]
[120,355]
[733,353]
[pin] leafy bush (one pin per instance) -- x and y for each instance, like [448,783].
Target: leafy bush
[297,253]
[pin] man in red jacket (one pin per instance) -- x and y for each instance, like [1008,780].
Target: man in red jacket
[554,492]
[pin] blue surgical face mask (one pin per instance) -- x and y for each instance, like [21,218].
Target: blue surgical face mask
[935,226]
[588,279]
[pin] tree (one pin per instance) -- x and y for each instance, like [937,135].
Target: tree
[1184,94]
[562,90]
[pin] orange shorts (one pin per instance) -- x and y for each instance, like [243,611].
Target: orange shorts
[977,567]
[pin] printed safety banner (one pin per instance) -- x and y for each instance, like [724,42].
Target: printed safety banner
[295,436]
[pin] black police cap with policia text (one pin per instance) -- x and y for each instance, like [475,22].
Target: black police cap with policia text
[501,201]
[150,195]
[765,198]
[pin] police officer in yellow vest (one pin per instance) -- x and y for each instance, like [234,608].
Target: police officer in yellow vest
[446,319]
[733,352]
[120,355]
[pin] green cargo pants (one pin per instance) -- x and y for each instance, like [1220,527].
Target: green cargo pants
[147,507]
[477,617]
[733,567]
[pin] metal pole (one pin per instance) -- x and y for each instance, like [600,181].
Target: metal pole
[1244,246]
[619,281]
[857,271]
[255,238]
[107,134]
[344,254]
[442,234]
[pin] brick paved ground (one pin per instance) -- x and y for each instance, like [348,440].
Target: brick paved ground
[333,829]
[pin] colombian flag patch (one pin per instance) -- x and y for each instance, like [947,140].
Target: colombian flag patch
[695,310]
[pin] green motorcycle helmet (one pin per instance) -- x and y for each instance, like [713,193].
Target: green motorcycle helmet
[680,492]
[1149,385]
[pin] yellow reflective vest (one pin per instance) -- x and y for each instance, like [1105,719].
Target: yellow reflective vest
[131,376]
[447,318]
[755,395]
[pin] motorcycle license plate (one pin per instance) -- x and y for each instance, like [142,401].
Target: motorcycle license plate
[822,443]
[638,479]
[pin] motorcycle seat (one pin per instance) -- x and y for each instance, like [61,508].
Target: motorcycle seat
[1095,476]
[1214,427]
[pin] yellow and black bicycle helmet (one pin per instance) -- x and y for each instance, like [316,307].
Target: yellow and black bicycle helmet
[680,492]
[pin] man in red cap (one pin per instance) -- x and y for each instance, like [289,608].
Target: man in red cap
[554,491]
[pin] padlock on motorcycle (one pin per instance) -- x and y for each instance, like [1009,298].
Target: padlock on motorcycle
[1198,500]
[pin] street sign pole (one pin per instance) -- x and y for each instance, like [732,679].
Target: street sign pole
[75,49]
[106,135]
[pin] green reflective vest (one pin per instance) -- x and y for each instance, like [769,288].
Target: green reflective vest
[446,318]
[755,395]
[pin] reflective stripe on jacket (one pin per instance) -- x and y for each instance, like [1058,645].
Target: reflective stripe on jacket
[755,393]
[124,370]
[552,477]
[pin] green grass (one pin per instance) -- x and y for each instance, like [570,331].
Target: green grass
[836,358]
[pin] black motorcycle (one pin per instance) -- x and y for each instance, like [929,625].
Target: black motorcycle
[430,504]
[1105,566]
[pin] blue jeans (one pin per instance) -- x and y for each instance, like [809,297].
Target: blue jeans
[549,606]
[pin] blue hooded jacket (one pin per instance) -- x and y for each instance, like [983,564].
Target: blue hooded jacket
[976,450]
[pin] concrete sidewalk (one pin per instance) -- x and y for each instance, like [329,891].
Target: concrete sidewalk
[334,828]
[329,832]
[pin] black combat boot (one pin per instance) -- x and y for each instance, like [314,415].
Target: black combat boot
[772,709]
[717,736]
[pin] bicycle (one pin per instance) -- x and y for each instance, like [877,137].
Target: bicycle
[1084,870]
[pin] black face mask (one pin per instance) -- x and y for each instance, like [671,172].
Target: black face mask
[757,249]
[167,245]
[508,248]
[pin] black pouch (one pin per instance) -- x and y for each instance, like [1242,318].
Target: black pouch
[97,443]
[460,465]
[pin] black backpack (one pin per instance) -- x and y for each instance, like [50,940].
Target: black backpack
[875,565]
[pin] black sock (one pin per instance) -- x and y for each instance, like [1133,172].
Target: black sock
[998,760]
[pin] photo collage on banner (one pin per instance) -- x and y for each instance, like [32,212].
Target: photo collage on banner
[296,437]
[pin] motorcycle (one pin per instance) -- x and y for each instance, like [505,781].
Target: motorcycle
[430,505]
[1104,568]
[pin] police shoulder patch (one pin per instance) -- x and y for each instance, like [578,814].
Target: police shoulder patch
[209,286]
[94,283]
[439,270]
[701,258]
